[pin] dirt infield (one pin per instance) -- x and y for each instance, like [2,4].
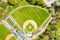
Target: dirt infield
[30,22]
[9,36]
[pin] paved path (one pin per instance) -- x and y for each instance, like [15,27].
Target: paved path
[43,30]
[26,6]
[10,28]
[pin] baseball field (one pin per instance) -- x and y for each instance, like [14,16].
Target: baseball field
[29,15]
[5,33]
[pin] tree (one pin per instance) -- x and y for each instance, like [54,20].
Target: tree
[13,2]
[3,4]
[2,7]
[1,10]
[53,28]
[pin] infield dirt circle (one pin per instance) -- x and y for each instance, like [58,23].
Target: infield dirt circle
[9,36]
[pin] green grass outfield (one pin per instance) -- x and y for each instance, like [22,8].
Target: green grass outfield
[58,0]
[4,32]
[30,13]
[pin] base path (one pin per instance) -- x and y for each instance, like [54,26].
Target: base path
[10,36]
[30,22]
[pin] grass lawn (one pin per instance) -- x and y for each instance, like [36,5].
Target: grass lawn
[4,32]
[30,13]
[58,27]
[6,8]
[58,30]
[30,27]
[13,38]
[58,15]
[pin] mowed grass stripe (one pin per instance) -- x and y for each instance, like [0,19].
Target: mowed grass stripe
[3,32]
[30,13]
